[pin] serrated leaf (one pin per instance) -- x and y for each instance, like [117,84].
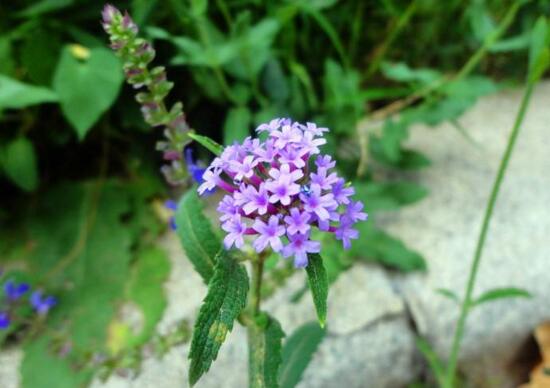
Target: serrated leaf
[436,366]
[227,292]
[18,161]
[297,353]
[197,238]
[265,356]
[318,284]
[501,293]
[16,95]
[376,245]
[448,294]
[87,86]
[207,143]
[237,125]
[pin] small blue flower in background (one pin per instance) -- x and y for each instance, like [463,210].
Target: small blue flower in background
[42,304]
[4,321]
[173,206]
[195,170]
[15,291]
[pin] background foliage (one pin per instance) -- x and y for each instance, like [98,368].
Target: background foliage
[78,172]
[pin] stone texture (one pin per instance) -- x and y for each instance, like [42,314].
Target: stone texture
[446,225]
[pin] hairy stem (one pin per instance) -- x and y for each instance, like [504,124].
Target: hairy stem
[467,302]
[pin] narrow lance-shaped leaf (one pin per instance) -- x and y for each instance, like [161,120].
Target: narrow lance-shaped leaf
[226,298]
[448,294]
[207,143]
[436,366]
[501,293]
[197,238]
[539,52]
[265,352]
[318,283]
[297,353]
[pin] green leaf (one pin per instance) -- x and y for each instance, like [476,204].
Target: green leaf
[539,53]
[86,250]
[199,242]
[297,353]
[237,125]
[146,289]
[318,284]
[39,55]
[401,72]
[86,86]
[436,366]
[376,245]
[207,143]
[501,293]
[265,344]
[448,294]
[389,195]
[227,291]
[18,160]
[16,95]
[274,82]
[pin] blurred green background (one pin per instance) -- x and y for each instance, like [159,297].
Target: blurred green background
[80,188]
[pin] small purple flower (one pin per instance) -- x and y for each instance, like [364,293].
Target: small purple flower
[325,161]
[227,208]
[341,192]
[15,291]
[42,304]
[270,234]
[4,320]
[300,245]
[317,203]
[269,127]
[297,222]
[324,181]
[314,129]
[211,178]
[258,200]
[244,169]
[355,213]
[235,229]
[345,232]
[287,134]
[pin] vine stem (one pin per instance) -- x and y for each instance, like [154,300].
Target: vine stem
[467,302]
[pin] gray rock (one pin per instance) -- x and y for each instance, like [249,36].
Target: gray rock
[446,225]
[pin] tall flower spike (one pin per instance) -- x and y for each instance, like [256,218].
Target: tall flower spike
[279,190]
[136,54]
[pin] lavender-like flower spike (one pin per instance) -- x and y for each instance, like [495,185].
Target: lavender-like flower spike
[279,190]
[136,55]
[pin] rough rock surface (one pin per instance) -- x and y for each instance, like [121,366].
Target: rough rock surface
[445,228]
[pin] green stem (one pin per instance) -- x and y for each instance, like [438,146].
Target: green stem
[257,277]
[467,302]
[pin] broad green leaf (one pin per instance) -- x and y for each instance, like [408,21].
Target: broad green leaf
[436,366]
[297,353]
[199,242]
[265,344]
[393,134]
[86,248]
[376,245]
[207,143]
[237,125]
[501,293]
[389,195]
[87,82]
[146,290]
[539,55]
[15,94]
[401,72]
[448,294]
[227,292]
[18,161]
[481,22]
[318,284]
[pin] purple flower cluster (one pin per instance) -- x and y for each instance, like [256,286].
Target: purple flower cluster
[279,189]
[13,293]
